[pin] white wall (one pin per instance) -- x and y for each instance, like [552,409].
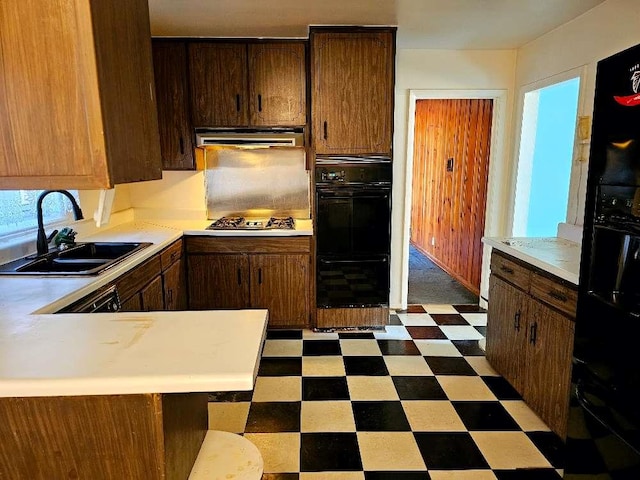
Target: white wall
[602,31]
[442,70]
[179,195]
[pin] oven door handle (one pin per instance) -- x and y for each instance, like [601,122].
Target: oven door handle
[375,260]
[609,424]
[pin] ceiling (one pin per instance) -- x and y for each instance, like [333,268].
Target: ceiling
[433,24]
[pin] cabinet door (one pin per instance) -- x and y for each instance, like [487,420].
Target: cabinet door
[174,123]
[218,79]
[132,304]
[277,84]
[506,331]
[218,281]
[77,90]
[153,296]
[175,287]
[280,283]
[549,365]
[352,92]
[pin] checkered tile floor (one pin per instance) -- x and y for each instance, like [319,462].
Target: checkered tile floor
[416,402]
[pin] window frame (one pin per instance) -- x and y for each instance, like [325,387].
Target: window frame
[575,176]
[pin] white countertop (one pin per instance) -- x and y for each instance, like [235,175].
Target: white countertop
[93,354]
[124,353]
[555,255]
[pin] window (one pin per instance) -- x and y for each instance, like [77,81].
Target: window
[18,209]
[545,159]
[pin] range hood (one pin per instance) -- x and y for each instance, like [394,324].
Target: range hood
[250,137]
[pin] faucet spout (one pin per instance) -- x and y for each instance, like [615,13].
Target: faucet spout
[42,245]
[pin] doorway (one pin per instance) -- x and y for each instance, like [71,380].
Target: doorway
[452,139]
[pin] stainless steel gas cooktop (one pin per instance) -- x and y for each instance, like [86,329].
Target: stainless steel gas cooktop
[241,223]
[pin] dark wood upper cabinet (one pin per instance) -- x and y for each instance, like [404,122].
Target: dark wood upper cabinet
[240,84]
[277,84]
[172,92]
[352,89]
[77,96]
[218,79]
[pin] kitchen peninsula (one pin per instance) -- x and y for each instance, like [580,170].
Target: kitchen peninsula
[80,393]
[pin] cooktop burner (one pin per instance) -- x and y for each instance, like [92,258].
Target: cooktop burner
[283,223]
[240,223]
[227,223]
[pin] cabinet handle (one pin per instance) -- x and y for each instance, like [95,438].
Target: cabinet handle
[259,102]
[239,277]
[170,295]
[260,276]
[516,321]
[557,295]
[238,102]
[533,333]
[325,130]
[506,269]
[181,146]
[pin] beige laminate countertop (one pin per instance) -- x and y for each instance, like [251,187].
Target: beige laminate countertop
[118,353]
[555,255]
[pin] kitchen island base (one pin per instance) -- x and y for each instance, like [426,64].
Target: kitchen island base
[138,436]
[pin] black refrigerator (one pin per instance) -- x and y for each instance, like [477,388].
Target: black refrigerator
[603,439]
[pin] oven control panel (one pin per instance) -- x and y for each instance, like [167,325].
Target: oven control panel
[332,175]
[343,174]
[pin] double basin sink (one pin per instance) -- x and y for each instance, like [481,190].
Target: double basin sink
[79,259]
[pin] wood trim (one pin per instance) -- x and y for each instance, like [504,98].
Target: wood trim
[210,244]
[351,317]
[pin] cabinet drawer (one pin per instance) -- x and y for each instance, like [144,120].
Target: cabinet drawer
[210,244]
[170,254]
[510,271]
[549,291]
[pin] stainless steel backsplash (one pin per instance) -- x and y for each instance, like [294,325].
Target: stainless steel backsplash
[257,182]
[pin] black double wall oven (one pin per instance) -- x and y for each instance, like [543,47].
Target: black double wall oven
[353,211]
[603,440]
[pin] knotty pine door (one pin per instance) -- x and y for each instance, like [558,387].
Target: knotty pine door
[450,168]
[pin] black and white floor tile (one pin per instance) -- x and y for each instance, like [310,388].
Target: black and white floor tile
[418,401]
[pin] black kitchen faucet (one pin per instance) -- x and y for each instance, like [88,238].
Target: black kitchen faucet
[42,242]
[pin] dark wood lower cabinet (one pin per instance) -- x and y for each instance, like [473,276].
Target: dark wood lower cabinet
[218,281]
[137,437]
[271,273]
[506,333]
[280,283]
[530,338]
[157,284]
[549,355]
[153,296]
[174,281]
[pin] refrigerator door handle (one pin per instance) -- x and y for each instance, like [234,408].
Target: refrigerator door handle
[593,411]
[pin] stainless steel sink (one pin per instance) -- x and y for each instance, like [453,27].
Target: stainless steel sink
[89,258]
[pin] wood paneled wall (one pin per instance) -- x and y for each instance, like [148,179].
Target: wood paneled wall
[448,205]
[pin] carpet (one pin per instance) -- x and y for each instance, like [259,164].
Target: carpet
[428,283]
